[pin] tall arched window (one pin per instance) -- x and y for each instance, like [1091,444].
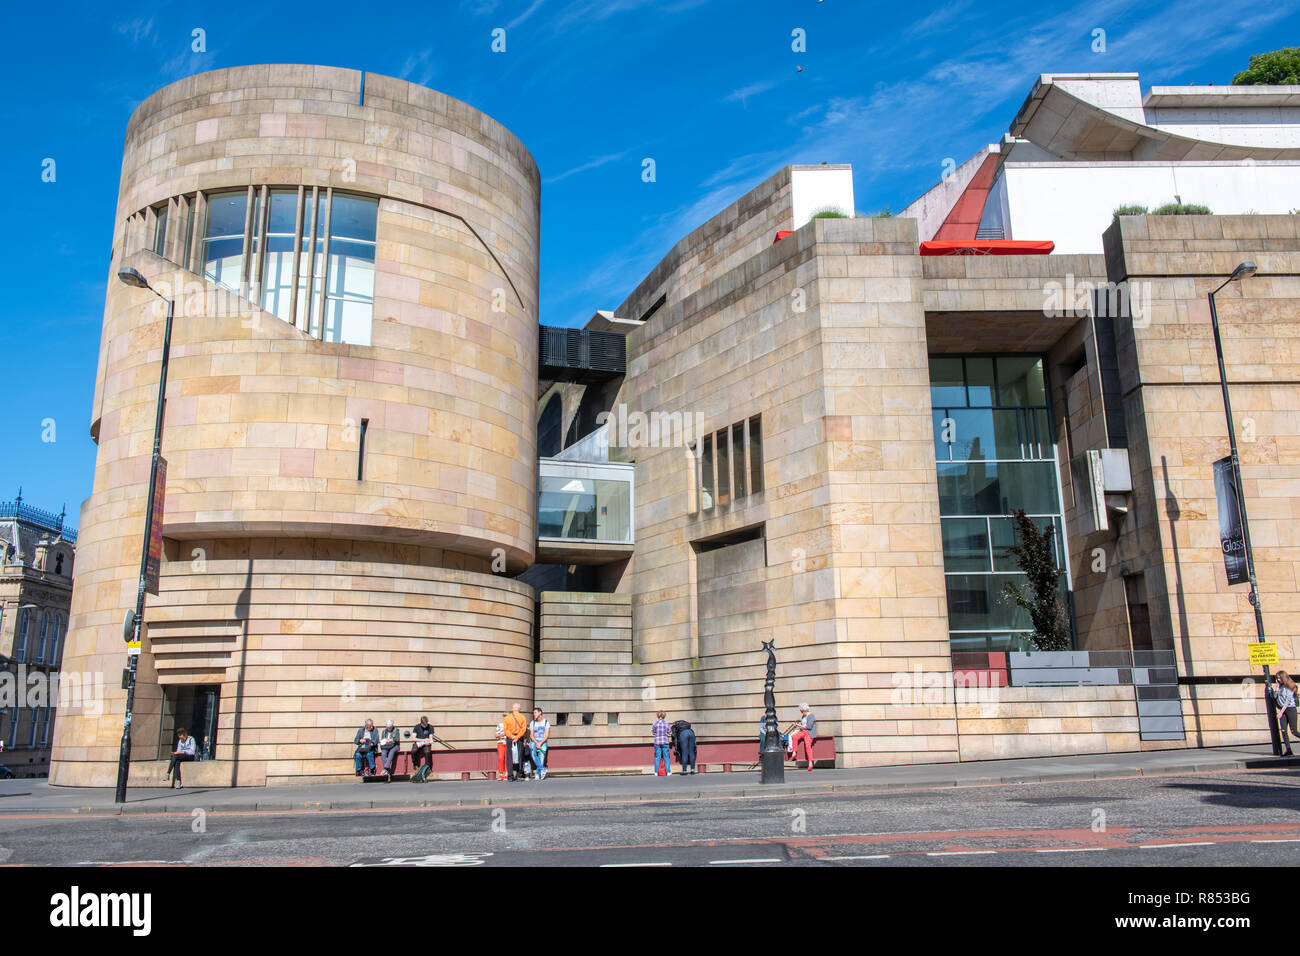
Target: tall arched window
[42,637]
[56,640]
[20,639]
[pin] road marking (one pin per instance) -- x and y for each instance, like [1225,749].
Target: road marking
[1167,846]
[604,865]
[960,852]
[766,860]
[877,856]
[1074,849]
[1275,841]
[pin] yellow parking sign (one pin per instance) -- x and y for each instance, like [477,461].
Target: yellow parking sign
[1263,653]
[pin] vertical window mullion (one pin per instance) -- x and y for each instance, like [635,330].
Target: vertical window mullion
[245,263]
[325,264]
[260,244]
[297,257]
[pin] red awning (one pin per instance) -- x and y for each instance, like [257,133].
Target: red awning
[987,247]
[781,234]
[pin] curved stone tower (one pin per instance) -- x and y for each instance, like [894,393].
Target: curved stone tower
[350,426]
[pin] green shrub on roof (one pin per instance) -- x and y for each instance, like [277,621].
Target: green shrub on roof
[1182,209]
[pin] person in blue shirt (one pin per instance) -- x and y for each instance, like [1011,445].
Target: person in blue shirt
[539,732]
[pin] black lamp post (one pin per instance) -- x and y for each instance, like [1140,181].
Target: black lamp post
[133,278]
[1243,271]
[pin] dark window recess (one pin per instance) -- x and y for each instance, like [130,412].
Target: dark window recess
[658,303]
[612,720]
[587,719]
[561,720]
[196,708]
[549,425]
[734,537]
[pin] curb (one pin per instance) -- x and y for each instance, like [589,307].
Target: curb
[747,790]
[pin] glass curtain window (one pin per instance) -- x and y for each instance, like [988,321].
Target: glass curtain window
[46,720]
[223,239]
[277,252]
[13,728]
[350,291]
[994,455]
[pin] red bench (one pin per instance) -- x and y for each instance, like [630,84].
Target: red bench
[729,754]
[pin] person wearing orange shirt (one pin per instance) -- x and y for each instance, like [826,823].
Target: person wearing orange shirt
[516,728]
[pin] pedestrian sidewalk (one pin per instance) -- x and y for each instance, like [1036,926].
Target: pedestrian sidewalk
[39,797]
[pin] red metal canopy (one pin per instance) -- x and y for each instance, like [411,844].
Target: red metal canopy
[987,247]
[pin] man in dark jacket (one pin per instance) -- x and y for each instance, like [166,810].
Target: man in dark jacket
[422,745]
[684,744]
[366,743]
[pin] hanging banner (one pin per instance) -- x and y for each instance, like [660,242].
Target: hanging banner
[1230,532]
[155,530]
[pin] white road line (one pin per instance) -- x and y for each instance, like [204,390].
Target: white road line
[724,862]
[604,865]
[878,856]
[960,852]
[1074,849]
[1276,841]
[1168,846]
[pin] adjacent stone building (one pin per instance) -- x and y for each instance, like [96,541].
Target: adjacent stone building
[39,551]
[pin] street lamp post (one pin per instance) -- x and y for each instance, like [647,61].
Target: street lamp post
[1241,272]
[133,278]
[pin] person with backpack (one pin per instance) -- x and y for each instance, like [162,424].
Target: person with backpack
[422,749]
[390,745]
[516,728]
[1285,700]
[539,732]
[366,743]
[662,737]
[683,743]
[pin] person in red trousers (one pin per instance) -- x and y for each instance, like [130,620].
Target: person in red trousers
[807,733]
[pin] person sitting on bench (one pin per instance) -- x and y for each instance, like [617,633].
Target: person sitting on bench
[366,743]
[183,753]
[807,733]
[422,745]
[390,745]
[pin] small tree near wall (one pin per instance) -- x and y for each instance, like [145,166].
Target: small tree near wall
[1035,553]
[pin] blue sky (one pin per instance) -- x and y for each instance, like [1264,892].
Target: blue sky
[709,90]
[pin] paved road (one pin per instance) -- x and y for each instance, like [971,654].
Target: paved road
[1230,818]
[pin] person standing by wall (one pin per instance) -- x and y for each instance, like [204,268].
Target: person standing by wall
[516,727]
[501,748]
[807,733]
[540,733]
[662,736]
[684,744]
[1285,698]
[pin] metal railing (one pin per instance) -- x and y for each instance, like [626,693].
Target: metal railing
[46,520]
